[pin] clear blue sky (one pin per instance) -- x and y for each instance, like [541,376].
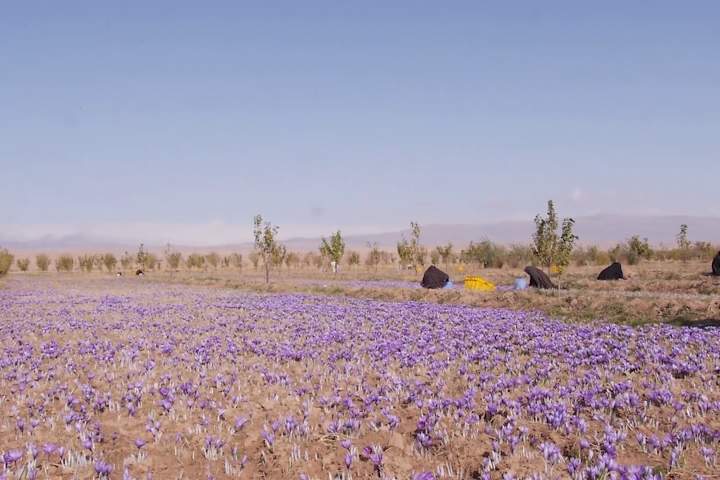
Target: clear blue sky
[356,114]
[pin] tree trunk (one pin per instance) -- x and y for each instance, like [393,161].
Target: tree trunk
[267,273]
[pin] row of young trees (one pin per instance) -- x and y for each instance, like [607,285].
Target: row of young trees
[142,259]
[553,247]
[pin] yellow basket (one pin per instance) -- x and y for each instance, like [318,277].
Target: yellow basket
[479,283]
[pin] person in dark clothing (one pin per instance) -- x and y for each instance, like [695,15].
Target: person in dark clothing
[613,272]
[139,273]
[434,278]
[539,279]
[716,265]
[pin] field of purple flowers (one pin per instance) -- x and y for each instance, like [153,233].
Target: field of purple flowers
[128,379]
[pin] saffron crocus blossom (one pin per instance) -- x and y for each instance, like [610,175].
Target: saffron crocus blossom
[421,381]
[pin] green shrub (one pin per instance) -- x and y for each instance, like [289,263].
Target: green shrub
[640,248]
[6,260]
[446,253]
[603,258]
[109,261]
[519,256]
[374,256]
[126,261]
[235,260]
[353,259]
[23,264]
[486,254]
[195,260]
[434,257]
[173,259]
[213,259]
[277,258]
[86,263]
[64,263]
[632,251]
[43,262]
[292,260]
[151,261]
[255,259]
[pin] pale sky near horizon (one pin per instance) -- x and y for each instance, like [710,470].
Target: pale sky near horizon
[353,115]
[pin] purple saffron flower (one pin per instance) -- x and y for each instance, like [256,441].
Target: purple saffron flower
[240,423]
[366,452]
[49,448]
[424,476]
[102,468]
[269,437]
[34,452]
[12,456]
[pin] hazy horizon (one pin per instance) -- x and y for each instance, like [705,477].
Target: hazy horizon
[361,117]
[602,230]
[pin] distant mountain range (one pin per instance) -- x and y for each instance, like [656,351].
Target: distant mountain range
[603,230]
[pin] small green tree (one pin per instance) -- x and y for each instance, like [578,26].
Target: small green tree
[109,261]
[278,256]
[374,256]
[445,252]
[638,249]
[421,255]
[292,260]
[683,243]
[64,263]
[23,264]
[404,253]
[6,261]
[566,245]
[386,258]
[518,255]
[43,262]
[141,257]
[312,259]
[151,261]
[86,263]
[266,244]
[126,261]
[485,253]
[173,258]
[548,248]
[195,260]
[435,257]
[417,251]
[353,259]
[682,238]
[235,260]
[333,249]
[254,258]
[213,259]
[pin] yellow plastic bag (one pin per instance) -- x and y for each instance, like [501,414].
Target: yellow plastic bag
[479,283]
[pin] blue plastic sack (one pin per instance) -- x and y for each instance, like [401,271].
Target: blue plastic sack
[521,283]
[449,284]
